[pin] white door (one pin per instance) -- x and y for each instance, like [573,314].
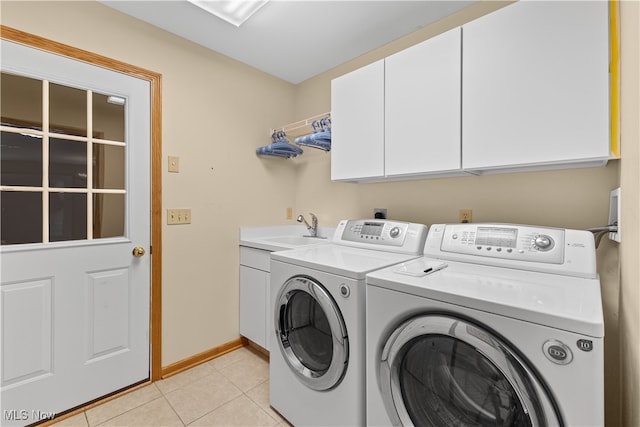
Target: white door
[75,188]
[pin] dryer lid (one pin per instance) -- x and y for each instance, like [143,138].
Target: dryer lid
[340,260]
[561,302]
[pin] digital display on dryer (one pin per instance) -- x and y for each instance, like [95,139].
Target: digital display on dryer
[372,228]
[497,237]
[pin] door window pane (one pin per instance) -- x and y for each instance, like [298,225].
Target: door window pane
[21,101]
[67,216]
[21,217]
[108,117]
[309,332]
[447,382]
[108,215]
[20,159]
[65,143]
[108,166]
[67,110]
[67,163]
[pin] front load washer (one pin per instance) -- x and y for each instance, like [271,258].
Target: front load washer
[317,360]
[495,325]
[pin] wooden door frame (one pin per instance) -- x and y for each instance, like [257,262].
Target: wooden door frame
[155,81]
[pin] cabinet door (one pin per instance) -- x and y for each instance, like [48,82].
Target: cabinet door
[535,85]
[357,124]
[422,107]
[253,302]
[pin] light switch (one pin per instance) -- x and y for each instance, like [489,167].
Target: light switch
[174,164]
[178,216]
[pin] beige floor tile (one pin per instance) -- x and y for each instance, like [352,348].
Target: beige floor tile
[118,406]
[260,395]
[231,358]
[203,396]
[248,372]
[241,411]
[184,378]
[157,413]
[79,420]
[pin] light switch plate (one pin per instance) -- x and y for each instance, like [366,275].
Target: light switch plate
[174,164]
[178,216]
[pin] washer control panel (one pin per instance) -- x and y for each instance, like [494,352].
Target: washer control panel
[382,234]
[523,243]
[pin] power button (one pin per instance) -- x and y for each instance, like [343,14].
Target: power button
[557,352]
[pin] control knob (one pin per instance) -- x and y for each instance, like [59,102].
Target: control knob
[394,232]
[543,243]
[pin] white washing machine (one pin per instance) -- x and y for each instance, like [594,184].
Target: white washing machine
[317,360]
[496,325]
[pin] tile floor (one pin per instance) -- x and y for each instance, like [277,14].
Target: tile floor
[231,390]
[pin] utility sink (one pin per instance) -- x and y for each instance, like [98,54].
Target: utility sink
[296,240]
[280,238]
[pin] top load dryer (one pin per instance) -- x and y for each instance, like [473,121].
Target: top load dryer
[317,360]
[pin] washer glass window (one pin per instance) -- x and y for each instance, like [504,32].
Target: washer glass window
[446,382]
[311,332]
[439,370]
[308,331]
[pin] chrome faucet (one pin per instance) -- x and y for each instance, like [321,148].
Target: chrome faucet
[313,228]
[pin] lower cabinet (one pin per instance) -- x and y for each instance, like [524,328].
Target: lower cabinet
[255,307]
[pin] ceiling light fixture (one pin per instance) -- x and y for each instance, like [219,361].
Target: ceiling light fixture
[235,12]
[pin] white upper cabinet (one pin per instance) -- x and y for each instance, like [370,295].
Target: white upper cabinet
[357,124]
[535,86]
[422,108]
[523,88]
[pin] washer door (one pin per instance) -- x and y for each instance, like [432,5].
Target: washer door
[438,370]
[311,333]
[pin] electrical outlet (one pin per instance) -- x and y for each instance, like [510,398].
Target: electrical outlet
[289,213]
[464,215]
[380,213]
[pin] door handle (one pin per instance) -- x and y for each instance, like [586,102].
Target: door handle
[138,251]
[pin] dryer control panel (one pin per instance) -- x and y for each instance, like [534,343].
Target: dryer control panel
[502,241]
[382,234]
[545,249]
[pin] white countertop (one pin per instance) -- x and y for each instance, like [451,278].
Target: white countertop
[282,237]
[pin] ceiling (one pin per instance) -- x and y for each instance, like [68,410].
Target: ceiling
[295,39]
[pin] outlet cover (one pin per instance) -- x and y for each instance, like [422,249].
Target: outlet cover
[465,215]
